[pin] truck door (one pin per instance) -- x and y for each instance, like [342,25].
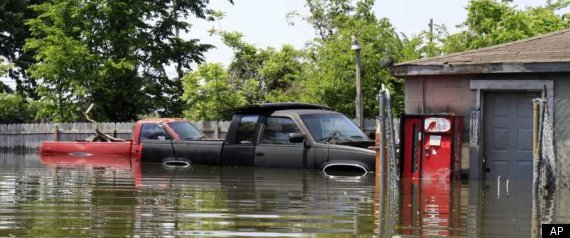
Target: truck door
[240,146]
[157,143]
[275,148]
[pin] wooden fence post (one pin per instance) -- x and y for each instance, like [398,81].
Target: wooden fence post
[55,136]
[216,130]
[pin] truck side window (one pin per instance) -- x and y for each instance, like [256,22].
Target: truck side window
[246,129]
[153,131]
[277,130]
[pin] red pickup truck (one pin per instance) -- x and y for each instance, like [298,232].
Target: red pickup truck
[160,129]
[283,135]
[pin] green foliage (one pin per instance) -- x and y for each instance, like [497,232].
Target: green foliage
[331,78]
[244,68]
[327,17]
[114,54]
[263,75]
[209,94]
[254,76]
[324,72]
[15,109]
[3,68]
[3,87]
[488,22]
[423,45]
[280,71]
[13,34]
[10,108]
[492,22]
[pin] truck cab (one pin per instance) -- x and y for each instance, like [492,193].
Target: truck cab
[293,135]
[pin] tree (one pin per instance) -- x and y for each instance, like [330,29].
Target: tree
[209,94]
[324,72]
[114,54]
[330,79]
[425,44]
[281,74]
[13,34]
[492,22]
[14,108]
[263,75]
[10,104]
[244,68]
[327,16]
[3,87]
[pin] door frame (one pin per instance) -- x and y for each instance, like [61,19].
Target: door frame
[545,87]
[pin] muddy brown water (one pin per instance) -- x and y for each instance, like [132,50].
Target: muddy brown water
[66,197]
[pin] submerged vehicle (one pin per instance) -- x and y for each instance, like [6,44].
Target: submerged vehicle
[279,135]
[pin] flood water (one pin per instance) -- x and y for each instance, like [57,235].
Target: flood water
[104,197]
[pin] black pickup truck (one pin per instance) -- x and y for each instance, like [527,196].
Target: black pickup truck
[284,135]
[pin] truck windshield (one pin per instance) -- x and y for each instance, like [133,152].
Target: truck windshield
[327,128]
[185,130]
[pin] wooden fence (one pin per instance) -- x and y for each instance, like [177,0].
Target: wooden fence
[29,136]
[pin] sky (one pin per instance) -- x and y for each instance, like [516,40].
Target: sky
[264,22]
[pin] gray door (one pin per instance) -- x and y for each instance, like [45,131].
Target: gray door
[275,149]
[508,149]
[240,147]
[508,135]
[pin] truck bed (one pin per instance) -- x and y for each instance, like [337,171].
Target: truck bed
[86,148]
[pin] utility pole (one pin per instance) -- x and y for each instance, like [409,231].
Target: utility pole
[177,35]
[430,30]
[359,114]
[430,47]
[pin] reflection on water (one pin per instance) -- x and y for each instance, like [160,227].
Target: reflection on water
[85,196]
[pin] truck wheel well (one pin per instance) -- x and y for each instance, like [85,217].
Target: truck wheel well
[344,169]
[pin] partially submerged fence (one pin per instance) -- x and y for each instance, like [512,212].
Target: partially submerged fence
[29,136]
[552,164]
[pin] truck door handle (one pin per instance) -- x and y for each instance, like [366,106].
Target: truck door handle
[259,153]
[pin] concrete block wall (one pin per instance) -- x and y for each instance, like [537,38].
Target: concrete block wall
[442,94]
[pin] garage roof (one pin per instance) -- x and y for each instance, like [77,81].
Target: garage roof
[545,53]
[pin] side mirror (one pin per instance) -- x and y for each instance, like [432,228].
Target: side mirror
[296,138]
